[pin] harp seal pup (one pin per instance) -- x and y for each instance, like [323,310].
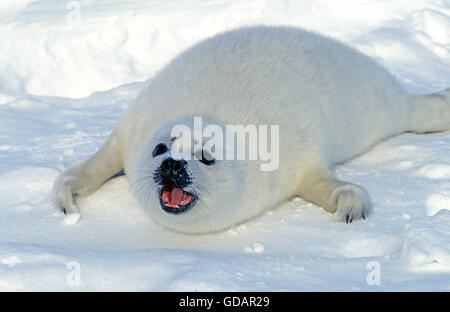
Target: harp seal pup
[330,101]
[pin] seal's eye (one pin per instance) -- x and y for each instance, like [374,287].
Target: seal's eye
[206,158]
[159,149]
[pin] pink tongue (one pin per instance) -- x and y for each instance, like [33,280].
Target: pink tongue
[176,196]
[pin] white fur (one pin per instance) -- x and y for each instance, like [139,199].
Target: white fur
[330,101]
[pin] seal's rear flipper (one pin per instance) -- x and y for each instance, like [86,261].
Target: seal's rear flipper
[431,112]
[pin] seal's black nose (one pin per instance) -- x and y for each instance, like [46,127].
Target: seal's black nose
[171,166]
[172,170]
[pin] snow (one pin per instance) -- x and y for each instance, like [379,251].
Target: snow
[426,246]
[66,78]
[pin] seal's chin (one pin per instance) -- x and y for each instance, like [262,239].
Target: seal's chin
[175,200]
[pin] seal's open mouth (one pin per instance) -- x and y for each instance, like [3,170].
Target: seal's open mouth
[175,200]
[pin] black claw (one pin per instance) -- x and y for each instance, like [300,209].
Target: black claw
[64,210]
[351,219]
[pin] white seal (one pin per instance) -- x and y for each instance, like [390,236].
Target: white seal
[330,102]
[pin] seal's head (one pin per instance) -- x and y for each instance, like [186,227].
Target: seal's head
[183,186]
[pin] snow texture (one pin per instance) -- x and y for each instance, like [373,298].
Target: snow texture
[68,70]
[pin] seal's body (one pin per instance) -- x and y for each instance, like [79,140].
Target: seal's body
[330,101]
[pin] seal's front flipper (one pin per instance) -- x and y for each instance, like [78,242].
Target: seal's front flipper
[86,177]
[351,201]
[347,201]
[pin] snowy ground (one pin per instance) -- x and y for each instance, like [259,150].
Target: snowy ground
[51,62]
